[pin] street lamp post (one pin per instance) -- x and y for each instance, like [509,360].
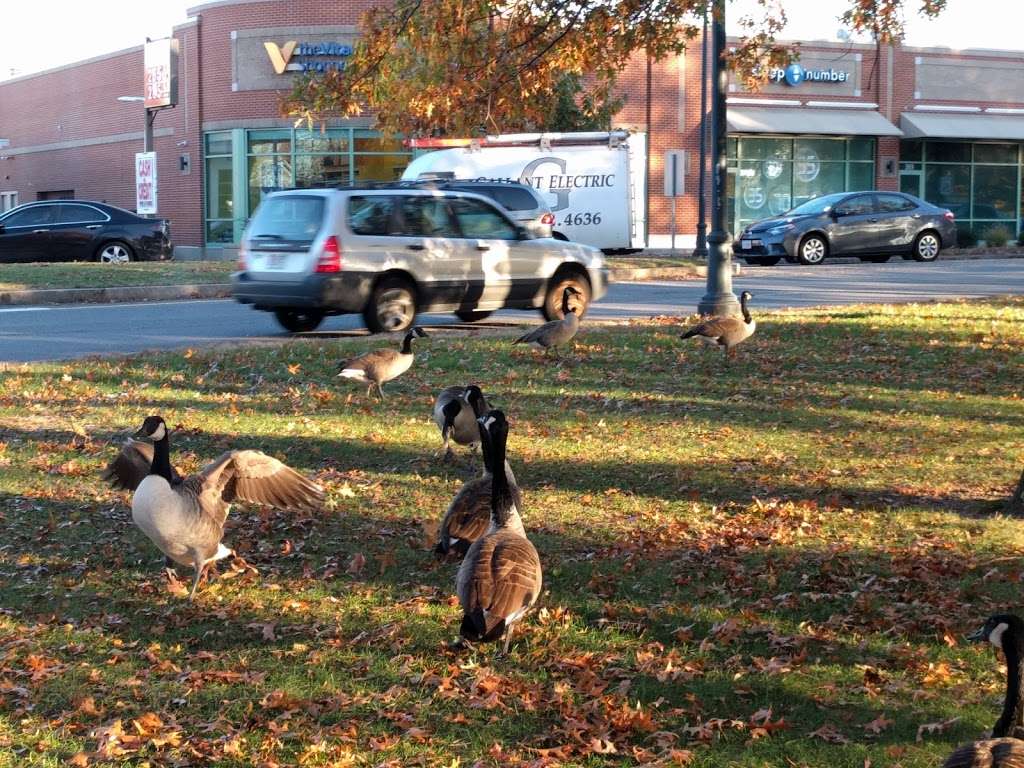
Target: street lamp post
[719,298]
[701,251]
[147,135]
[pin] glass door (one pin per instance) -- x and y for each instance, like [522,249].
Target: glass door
[910,183]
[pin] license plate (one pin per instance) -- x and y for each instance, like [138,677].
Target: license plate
[745,244]
[275,260]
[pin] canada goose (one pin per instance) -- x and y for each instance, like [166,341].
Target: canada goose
[469,515]
[1005,749]
[455,413]
[184,516]
[728,330]
[556,332]
[382,365]
[500,578]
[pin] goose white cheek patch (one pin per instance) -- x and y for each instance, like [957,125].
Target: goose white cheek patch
[160,433]
[996,635]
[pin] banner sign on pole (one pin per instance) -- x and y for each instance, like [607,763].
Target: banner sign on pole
[145,182]
[160,62]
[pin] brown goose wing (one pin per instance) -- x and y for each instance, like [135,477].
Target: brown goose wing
[539,333]
[131,465]
[373,364]
[255,477]
[715,328]
[504,577]
[988,753]
[468,516]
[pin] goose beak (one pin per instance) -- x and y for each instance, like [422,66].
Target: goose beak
[978,636]
[142,437]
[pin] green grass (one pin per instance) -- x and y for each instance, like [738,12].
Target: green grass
[770,563]
[650,262]
[20,277]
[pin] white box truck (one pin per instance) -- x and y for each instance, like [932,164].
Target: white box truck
[594,182]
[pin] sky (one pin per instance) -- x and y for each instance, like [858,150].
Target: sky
[39,35]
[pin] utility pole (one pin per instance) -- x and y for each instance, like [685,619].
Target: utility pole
[701,251]
[719,298]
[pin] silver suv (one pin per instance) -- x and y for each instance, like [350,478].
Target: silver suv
[522,202]
[390,253]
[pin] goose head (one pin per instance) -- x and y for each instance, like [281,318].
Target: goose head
[570,291]
[153,430]
[416,332]
[475,397]
[450,410]
[1001,630]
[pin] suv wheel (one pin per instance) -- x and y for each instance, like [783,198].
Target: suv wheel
[392,306]
[299,321]
[813,250]
[472,315]
[552,309]
[927,246]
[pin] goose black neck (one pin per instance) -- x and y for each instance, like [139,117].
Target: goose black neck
[502,500]
[485,449]
[1013,707]
[566,309]
[162,459]
[407,344]
[744,310]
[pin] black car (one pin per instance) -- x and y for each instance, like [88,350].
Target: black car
[872,226]
[80,230]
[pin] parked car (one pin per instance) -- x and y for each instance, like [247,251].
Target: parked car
[521,201]
[392,252]
[81,230]
[870,225]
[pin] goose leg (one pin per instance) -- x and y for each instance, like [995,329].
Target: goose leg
[380,391]
[195,582]
[169,569]
[508,639]
[369,389]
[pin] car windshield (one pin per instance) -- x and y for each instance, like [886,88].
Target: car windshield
[290,217]
[816,205]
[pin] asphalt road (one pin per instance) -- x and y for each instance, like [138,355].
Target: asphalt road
[57,333]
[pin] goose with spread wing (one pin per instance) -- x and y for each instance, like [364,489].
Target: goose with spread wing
[184,516]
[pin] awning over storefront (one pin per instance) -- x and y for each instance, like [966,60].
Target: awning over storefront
[921,125]
[809,120]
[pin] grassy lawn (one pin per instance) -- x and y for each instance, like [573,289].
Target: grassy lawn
[20,277]
[770,563]
[650,262]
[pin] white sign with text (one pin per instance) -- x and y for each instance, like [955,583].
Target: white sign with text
[145,182]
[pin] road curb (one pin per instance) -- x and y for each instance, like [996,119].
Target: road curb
[631,274]
[115,295]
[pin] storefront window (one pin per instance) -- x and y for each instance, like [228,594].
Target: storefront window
[768,176]
[278,159]
[220,200]
[983,194]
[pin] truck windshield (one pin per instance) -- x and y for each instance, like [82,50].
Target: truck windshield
[295,218]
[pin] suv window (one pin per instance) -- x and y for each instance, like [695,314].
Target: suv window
[290,217]
[371,214]
[893,203]
[477,219]
[427,216]
[511,198]
[74,214]
[856,205]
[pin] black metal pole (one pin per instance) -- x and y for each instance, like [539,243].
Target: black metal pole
[701,251]
[719,299]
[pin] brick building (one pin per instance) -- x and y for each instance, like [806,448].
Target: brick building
[946,125]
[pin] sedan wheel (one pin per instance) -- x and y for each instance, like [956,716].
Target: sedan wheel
[926,247]
[115,253]
[812,250]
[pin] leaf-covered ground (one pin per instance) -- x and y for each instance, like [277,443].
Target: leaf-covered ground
[766,563]
[20,277]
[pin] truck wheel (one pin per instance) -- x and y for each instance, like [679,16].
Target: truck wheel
[392,306]
[552,309]
[299,321]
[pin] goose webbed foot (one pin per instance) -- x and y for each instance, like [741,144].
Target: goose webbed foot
[462,644]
